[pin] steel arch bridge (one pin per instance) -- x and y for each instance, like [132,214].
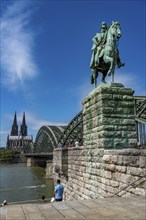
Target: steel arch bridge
[47,138]
[73,132]
[50,137]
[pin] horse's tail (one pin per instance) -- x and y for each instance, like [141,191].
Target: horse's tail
[92,79]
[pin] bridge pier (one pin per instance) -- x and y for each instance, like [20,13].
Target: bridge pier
[33,162]
[49,169]
[40,160]
[29,162]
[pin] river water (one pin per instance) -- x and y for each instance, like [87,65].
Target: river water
[21,183]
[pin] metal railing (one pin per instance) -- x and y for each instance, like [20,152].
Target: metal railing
[140,118]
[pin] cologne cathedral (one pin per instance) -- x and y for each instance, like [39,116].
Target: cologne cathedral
[19,139]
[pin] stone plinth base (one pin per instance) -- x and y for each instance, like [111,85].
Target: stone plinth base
[108,117]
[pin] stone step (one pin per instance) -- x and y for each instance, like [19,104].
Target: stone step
[133,208]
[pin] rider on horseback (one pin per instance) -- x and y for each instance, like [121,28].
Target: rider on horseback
[99,41]
[105,53]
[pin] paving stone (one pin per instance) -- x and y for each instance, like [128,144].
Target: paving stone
[61,205]
[32,212]
[71,214]
[84,210]
[50,212]
[15,212]
[133,208]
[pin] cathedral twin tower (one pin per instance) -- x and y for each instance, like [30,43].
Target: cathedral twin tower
[23,128]
[19,139]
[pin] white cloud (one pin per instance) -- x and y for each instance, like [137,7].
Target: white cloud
[3,137]
[129,80]
[33,122]
[17,59]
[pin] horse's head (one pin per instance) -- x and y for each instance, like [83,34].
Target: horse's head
[115,29]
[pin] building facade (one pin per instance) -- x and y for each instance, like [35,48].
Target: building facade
[19,139]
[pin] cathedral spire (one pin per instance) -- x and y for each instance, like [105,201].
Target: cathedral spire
[14,131]
[23,129]
[23,120]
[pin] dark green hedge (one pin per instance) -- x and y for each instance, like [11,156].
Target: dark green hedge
[7,155]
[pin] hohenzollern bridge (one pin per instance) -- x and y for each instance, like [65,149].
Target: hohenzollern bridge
[50,137]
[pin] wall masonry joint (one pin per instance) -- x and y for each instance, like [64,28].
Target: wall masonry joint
[109,159]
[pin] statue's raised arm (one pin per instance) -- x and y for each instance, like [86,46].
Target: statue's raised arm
[105,53]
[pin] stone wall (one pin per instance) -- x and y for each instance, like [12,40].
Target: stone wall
[103,174]
[109,160]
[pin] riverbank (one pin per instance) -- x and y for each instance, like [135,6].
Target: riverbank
[133,208]
[11,156]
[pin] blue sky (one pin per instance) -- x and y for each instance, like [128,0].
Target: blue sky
[46,51]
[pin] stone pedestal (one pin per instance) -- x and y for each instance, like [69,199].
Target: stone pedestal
[108,117]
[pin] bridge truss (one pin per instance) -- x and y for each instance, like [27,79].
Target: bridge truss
[73,132]
[47,138]
[140,118]
[50,137]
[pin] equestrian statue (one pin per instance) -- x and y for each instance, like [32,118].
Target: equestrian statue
[105,53]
